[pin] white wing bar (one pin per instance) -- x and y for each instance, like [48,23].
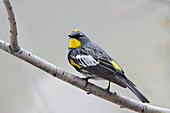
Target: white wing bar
[87,60]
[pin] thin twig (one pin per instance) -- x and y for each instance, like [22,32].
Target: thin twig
[42,64]
[13,26]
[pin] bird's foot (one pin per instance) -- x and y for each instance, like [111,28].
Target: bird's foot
[108,88]
[86,79]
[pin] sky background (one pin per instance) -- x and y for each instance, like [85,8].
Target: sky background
[135,33]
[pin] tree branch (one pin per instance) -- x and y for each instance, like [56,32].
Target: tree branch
[13,26]
[42,64]
[59,73]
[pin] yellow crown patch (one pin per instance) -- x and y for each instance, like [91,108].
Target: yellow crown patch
[75,30]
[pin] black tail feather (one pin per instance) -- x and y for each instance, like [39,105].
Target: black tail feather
[138,94]
[135,91]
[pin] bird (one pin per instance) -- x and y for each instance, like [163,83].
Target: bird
[94,63]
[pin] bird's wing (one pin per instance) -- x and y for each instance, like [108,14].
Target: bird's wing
[106,69]
[99,67]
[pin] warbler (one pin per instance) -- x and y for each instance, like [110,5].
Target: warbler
[94,63]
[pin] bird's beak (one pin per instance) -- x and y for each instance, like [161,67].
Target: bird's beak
[70,36]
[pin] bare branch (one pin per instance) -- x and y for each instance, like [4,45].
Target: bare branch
[13,26]
[59,73]
[124,102]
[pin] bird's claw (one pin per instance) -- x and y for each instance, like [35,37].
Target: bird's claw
[89,91]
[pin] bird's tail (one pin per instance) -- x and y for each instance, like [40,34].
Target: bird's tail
[135,91]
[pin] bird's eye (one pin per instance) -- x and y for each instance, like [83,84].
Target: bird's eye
[79,36]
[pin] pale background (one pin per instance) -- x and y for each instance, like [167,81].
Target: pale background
[134,33]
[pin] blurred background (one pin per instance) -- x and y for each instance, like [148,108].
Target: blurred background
[135,33]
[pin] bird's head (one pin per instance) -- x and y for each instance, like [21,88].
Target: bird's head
[77,39]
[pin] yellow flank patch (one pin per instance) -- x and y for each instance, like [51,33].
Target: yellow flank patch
[75,30]
[74,43]
[115,65]
[73,63]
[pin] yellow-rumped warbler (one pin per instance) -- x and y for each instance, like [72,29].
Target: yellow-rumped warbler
[94,63]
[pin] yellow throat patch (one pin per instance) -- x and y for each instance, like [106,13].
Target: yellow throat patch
[116,65]
[74,43]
